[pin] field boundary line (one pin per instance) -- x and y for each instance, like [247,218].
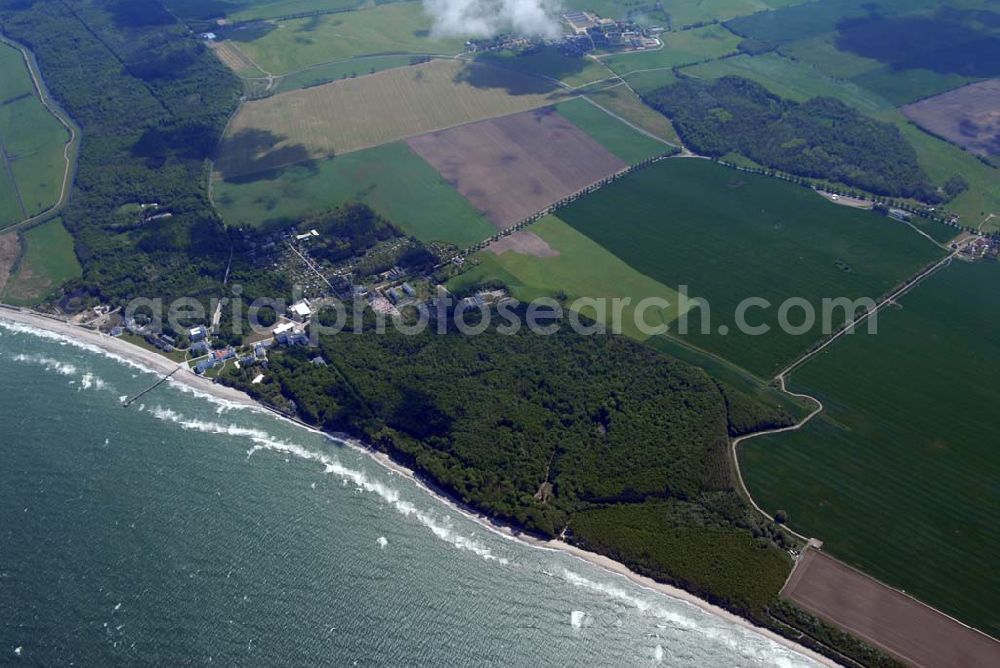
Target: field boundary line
[782,379]
[907,285]
[911,597]
[629,123]
[13,182]
[69,148]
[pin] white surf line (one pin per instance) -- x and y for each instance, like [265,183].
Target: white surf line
[126,353]
[41,91]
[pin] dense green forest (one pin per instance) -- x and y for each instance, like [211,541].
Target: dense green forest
[605,425]
[151,101]
[821,138]
[617,447]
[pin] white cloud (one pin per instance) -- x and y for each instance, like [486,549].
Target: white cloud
[486,18]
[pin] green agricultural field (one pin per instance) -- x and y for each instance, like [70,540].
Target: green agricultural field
[48,261]
[390,178]
[621,101]
[795,80]
[679,48]
[611,9]
[899,476]
[677,14]
[909,85]
[804,20]
[346,69]
[386,29]
[898,86]
[645,82]
[241,10]
[354,114]
[551,62]
[32,143]
[821,52]
[941,160]
[16,81]
[612,134]
[577,267]
[728,235]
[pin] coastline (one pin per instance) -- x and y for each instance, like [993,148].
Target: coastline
[158,364]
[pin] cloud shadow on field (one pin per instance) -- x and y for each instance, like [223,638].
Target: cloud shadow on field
[253,155]
[952,41]
[480,75]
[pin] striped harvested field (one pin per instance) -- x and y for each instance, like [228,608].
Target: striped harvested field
[353,114]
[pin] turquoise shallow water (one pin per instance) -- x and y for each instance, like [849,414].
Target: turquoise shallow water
[185,531]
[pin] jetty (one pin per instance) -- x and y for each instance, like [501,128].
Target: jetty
[128,402]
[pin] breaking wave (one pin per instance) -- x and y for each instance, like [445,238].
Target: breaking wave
[743,641]
[63,340]
[47,363]
[441,528]
[87,380]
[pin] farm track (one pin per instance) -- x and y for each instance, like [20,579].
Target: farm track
[13,182]
[782,377]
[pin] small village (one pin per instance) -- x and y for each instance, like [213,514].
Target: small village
[586,33]
[204,350]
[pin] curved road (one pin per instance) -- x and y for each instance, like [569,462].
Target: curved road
[782,378]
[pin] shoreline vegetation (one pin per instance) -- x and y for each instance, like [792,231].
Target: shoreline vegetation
[156,363]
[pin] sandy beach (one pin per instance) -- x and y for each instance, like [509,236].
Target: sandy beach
[159,364]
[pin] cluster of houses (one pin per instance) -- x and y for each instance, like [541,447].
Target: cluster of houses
[977,247]
[289,333]
[399,294]
[587,32]
[162,342]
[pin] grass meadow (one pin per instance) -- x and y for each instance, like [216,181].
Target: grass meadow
[612,134]
[345,69]
[622,102]
[898,476]
[550,62]
[48,261]
[32,163]
[384,29]
[728,235]
[582,268]
[244,10]
[650,80]
[353,114]
[796,80]
[391,179]
[680,48]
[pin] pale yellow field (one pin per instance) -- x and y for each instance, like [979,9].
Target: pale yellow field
[353,114]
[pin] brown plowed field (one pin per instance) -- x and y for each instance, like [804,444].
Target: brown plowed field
[968,116]
[512,167]
[884,617]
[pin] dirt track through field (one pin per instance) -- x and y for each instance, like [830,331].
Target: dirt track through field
[885,617]
[512,167]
